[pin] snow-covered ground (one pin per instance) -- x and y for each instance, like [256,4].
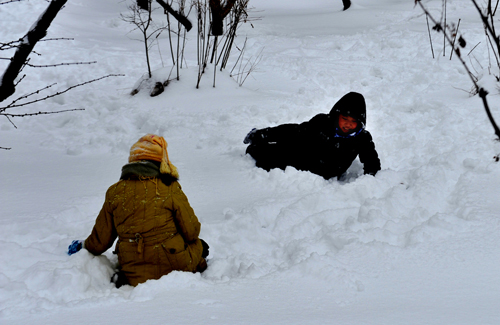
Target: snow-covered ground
[417,244]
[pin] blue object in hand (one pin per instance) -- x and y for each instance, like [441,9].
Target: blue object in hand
[75,246]
[249,137]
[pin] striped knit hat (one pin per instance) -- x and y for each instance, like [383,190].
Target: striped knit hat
[153,147]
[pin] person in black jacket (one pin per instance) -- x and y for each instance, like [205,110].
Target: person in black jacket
[326,145]
[347,4]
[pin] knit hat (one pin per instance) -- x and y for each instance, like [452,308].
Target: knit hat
[153,147]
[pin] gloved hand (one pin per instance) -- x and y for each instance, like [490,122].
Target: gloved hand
[119,279]
[205,248]
[75,246]
[250,136]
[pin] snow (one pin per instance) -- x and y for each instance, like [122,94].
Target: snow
[417,244]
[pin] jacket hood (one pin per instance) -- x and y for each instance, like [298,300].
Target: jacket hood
[353,105]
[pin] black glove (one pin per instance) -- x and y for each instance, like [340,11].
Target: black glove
[205,248]
[119,279]
[347,4]
[250,136]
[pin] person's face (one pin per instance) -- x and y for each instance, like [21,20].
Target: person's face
[347,124]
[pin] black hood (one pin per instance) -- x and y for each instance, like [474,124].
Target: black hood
[353,105]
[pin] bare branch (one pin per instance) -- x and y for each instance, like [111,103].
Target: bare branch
[142,24]
[9,45]
[36,33]
[41,113]
[437,27]
[455,38]
[26,96]
[489,26]
[57,39]
[430,38]
[496,7]
[59,64]
[20,79]
[180,18]
[482,95]
[473,48]
[10,1]
[8,118]
[58,93]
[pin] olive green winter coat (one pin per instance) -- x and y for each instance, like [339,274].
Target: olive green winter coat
[156,227]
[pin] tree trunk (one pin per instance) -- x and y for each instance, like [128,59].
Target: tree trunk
[143,4]
[218,15]
[36,33]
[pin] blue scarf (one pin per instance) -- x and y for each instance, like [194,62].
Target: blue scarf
[338,133]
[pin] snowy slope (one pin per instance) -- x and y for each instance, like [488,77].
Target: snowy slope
[417,244]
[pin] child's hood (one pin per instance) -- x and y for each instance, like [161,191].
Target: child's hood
[352,104]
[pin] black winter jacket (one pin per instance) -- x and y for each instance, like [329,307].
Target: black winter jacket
[320,147]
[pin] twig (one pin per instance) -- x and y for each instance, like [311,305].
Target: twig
[439,28]
[59,93]
[36,33]
[444,39]
[20,79]
[482,95]
[489,48]
[170,38]
[59,64]
[9,45]
[57,39]
[41,113]
[472,64]
[487,25]
[179,27]
[8,118]
[5,2]
[215,63]
[473,48]
[252,68]
[430,38]
[27,95]
[239,57]
[184,37]
[454,38]
[481,91]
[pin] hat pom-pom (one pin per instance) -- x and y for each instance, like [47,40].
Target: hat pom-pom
[168,168]
[173,171]
[164,168]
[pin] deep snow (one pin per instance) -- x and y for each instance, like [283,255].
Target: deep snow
[417,244]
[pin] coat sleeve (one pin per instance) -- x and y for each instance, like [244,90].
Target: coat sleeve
[186,221]
[104,232]
[291,133]
[280,133]
[368,155]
